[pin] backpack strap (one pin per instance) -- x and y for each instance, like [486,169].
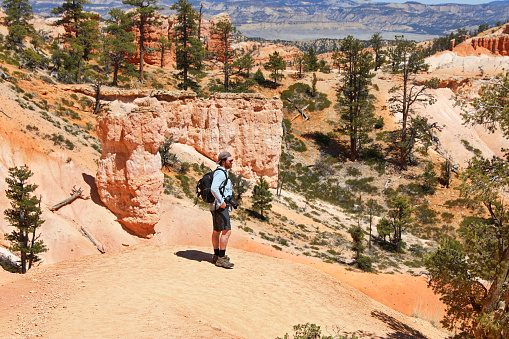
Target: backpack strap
[223,185]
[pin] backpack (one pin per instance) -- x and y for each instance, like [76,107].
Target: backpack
[203,187]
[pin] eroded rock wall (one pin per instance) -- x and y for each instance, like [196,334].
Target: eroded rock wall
[129,177]
[498,44]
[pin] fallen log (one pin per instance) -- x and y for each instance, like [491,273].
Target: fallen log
[75,194]
[3,75]
[97,245]
[301,111]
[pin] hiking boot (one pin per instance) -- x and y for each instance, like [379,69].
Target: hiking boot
[215,257]
[224,262]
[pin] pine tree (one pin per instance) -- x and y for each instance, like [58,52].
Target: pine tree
[259,77]
[224,53]
[275,64]
[189,48]
[24,215]
[399,218]
[244,64]
[357,234]
[311,61]
[299,60]
[407,59]
[83,38]
[472,273]
[18,13]
[262,197]
[429,179]
[143,16]
[164,44]
[118,43]
[377,44]
[336,59]
[354,101]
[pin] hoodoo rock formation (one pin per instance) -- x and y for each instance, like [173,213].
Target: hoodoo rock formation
[496,42]
[129,179]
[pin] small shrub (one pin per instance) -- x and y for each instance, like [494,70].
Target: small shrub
[362,185]
[247,229]
[447,217]
[379,123]
[353,172]
[97,147]
[32,128]
[157,85]
[365,263]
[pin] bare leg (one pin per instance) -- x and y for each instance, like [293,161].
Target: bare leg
[215,239]
[225,235]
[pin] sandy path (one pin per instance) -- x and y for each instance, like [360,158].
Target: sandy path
[174,291]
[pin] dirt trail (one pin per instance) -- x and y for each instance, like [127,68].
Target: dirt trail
[157,291]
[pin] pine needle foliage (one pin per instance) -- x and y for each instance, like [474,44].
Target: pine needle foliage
[25,216]
[262,197]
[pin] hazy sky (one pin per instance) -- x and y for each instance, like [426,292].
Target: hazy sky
[434,2]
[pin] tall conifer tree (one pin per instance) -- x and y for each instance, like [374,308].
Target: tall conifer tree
[224,53]
[262,197]
[407,59]
[354,101]
[143,16]
[118,43]
[83,36]
[275,64]
[18,14]
[24,215]
[189,48]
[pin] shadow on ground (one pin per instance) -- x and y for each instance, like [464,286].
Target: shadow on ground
[194,255]
[402,331]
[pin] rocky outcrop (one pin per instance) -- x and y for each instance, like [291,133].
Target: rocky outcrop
[129,179]
[213,40]
[498,45]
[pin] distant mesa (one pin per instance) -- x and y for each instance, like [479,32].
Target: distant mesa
[332,19]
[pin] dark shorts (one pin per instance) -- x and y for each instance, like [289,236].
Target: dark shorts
[221,220]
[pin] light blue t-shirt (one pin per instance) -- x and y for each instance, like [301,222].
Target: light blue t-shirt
[217,182]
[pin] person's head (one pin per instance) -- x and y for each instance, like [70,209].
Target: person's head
[225,160]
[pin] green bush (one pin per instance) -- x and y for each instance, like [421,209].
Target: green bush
[365,263]
[259,77]
[157,85]
[353,172]
[302,95]
[447,217]
[362,185]
[426,215]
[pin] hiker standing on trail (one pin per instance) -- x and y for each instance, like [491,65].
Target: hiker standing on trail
[222,190]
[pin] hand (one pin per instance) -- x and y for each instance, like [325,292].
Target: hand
[223,205]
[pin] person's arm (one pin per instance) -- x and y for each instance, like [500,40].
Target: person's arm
[219,178]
